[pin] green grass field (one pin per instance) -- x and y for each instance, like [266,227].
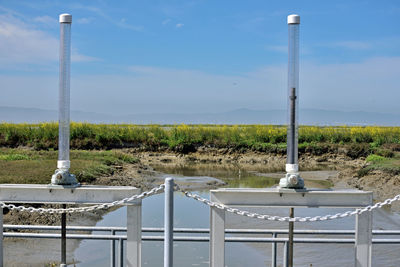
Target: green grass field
[30,166]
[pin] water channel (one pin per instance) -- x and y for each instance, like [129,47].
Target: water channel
[192,214]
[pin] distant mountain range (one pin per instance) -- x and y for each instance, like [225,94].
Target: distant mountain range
[238,116]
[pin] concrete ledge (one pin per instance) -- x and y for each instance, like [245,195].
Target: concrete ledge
[277,197]
[57,194]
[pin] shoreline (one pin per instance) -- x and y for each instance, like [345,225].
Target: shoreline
[339,170]
[144,174]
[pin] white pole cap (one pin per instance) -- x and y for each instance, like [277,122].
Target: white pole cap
[293,19]
[65,18]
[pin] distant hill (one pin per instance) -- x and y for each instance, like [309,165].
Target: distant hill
[238,116]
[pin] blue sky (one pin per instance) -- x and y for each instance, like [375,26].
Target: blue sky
[201,56]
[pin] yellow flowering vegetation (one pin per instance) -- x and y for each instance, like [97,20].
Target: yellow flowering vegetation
[104,136]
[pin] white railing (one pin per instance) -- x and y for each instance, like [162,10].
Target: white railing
[221,201]
[117,237]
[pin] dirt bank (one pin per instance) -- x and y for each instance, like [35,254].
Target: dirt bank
[339,169]
[144,175]
[384,185]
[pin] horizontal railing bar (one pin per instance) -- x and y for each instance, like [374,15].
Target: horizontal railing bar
[201,238]
[196,230]
[69,236]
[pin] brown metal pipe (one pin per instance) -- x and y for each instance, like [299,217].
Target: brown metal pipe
[291,228]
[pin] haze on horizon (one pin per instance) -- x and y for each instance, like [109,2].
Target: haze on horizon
[201,56]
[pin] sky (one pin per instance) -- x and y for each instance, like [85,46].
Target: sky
[132,57]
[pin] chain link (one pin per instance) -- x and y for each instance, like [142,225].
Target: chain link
[207,202]
[286,219]
[143,195]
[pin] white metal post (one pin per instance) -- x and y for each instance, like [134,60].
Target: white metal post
[217,237]
[62,175]
[293,179]
[169,222]
[134,235]
[273,256]
[363,243]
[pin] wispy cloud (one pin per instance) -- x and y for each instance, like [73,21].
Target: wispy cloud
[277,48]
[121,23]
[78,57]
[22,43]
[353,45]
[84,20]
[50,21]
[179,25]
[369,85]
[166,21]
[19,42]
[143,69]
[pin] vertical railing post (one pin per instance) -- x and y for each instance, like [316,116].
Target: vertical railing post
[286,254]
[1,237]
[112,251]
[217,236]
[63,238]
[168,222]
[121,253]
[363,240]
[134,235]
[273,256]
[290,236]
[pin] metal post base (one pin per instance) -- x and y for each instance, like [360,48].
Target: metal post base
[292,180]
[63,177]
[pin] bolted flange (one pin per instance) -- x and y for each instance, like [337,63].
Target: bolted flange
[292,180]
[64,177]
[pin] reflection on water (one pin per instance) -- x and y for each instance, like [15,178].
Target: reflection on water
[234,175]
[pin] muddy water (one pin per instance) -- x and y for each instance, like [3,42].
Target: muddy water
[189,213]
[192,214]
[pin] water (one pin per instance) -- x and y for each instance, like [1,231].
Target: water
[192,214]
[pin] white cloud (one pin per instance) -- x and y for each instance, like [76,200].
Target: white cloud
[370,85]
[84,20]
[277,48]
[50,21]
[179,25]
[166,21]
[121,23]
[76,57]
[21,43]
[353,45]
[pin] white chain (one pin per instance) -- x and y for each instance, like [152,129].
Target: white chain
[288,219]
[151,192]
[161,187]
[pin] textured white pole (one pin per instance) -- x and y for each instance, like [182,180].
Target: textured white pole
[64,91]
[292,179]
[62,175]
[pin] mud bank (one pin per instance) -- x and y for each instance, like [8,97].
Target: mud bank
[145,175]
